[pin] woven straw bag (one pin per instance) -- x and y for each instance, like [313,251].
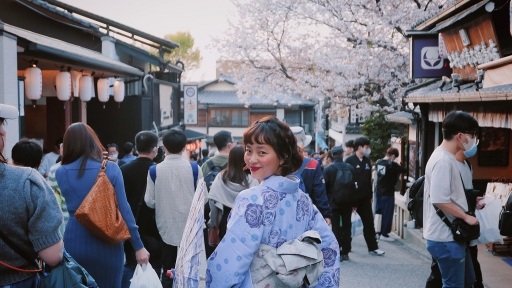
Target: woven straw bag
[99,212]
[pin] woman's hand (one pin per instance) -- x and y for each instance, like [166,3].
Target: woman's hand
[480,203]
[142,256]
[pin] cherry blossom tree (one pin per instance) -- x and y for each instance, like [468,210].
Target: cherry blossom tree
[354,52]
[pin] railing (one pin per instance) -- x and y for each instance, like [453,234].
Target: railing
[401,215]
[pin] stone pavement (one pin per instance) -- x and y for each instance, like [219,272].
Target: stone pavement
[401,266]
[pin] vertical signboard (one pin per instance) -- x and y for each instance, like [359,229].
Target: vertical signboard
[190,104]
[426,60]
[165,105]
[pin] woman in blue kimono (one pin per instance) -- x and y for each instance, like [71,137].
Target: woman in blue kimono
[272,213]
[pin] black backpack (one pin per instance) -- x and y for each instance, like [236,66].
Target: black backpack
[415,205]
[344,189]
[214,170]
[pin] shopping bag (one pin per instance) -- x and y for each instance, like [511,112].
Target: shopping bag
[488,218]
[357,224]
[377,222]
[145,277]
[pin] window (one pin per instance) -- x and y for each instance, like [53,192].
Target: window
[292,117]
[229,117]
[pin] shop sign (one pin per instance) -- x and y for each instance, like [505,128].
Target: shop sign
[190,104]
[426,59]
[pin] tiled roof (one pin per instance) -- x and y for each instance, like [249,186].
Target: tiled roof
[65,14]
[222,77]
[229,98]
[467,93]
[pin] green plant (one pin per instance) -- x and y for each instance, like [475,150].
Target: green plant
[379,131]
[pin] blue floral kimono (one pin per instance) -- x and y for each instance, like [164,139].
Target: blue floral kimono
[272,213]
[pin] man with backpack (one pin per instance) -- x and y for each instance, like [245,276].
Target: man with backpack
[363,183]
[340,187]
[311,176]
[210,168]
[170,190]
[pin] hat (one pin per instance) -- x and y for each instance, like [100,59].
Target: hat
[8,111]
[303,140]
[337,150]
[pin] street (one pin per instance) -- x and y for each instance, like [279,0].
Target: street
[399,267]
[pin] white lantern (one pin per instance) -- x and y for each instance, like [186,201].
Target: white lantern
[119,90]
[75,82]
[103,87]
[86,87]
[63,85]
[33,84]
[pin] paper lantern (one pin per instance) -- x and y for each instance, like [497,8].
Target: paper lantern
[86,88]
[103,87]
[63,85]
[119,90]
[33,84]
[75,82]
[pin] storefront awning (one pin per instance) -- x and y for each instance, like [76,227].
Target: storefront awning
[57,50]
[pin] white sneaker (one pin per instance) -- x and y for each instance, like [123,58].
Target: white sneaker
[377,252]
[387,239]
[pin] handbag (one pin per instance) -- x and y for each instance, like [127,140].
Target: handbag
[99,211]
[462,231]
[213,236]
[505,223]
[67,274]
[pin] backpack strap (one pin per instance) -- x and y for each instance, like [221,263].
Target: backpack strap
[20,252]
[469,164]
[195,170]
[304,164]
[152,173]
[210,164]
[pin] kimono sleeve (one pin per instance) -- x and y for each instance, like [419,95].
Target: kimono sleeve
[229,265]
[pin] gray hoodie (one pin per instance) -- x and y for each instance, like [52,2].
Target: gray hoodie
[221,195]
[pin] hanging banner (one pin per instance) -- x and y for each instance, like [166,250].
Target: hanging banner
[190,104]
[425,58]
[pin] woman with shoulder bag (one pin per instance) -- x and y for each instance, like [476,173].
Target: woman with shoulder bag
[29,218]
[225,188]
[81,162]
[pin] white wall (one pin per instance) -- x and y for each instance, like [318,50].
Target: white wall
[9,86]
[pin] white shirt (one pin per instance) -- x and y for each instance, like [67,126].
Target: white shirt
[442,185]
[466,173]
[47,162]
[171,196]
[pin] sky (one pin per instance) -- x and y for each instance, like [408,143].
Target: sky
[203,18]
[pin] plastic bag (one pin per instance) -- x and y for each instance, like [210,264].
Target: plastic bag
[357,224]
[377,222]
[145,277]
[488,217]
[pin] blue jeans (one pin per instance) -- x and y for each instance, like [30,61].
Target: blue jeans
[28,283]
[454,262]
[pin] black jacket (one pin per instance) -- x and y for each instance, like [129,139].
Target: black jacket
[387,176]
[362,175]
[135,174]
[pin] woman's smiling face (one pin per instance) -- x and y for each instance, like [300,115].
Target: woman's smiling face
[262,160]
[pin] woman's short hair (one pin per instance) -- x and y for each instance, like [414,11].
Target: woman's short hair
[271,131]
[27,153]
[80,141]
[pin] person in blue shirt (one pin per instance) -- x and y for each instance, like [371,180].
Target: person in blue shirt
[273,213]
[128,154]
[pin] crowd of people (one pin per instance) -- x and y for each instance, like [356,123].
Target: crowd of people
[270,191]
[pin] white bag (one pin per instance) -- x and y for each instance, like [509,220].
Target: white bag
[377,222]
[357,224]
[488,217]
[145,277]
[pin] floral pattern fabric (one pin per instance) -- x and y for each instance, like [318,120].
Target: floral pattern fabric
[272,213]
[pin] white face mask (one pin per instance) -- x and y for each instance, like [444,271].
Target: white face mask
[367,152]
[113,156]
[471,143]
